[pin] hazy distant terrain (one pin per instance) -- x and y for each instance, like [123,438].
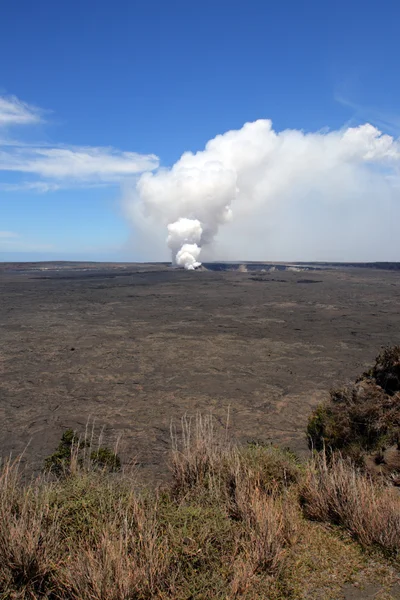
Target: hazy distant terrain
[138,345]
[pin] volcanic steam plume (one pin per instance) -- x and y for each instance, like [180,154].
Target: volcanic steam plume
[290,195]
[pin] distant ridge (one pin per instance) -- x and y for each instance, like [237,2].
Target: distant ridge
[75,266]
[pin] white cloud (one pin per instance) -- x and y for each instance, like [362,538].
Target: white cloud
[45,168]
[383,119]
[265,195]
[80,165]
[16,112]
[40,187]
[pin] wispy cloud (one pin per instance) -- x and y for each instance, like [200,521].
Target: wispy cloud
[46,167]
[384,120]
[15,112]
[40,187]
[76,164]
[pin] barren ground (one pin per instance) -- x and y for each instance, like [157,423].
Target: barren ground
[137,347]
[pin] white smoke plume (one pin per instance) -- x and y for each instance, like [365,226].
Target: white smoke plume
[184,237]
[284,195]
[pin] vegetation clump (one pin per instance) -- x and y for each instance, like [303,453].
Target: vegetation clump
[105,458]
[386,371]
[59,461]
[71,453]
[364,417]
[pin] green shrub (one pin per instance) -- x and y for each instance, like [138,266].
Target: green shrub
[59,462]
[70,455]
[386,371]
[106,459]
[364,416]
[86,501]
[273,467]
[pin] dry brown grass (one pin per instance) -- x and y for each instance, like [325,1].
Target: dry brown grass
[271,526]
[129,560]
[204,459]
[228,526]
[338,493]
[201,456]
[250,485]
[81,537]
[29,536]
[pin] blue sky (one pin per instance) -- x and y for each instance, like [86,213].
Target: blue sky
[96,92]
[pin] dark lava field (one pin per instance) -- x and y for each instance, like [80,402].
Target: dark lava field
[134,347]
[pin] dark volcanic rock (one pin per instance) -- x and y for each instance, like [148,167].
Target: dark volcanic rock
[136,347]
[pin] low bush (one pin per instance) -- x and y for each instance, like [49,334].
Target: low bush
[106,459]
[386,371]
[60,461]
[75,452]
[364,417]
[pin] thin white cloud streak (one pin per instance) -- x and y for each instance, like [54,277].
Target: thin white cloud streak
[15,112]
[76,164]
[45,167]
[290,195]
[382,119]
[39,187]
